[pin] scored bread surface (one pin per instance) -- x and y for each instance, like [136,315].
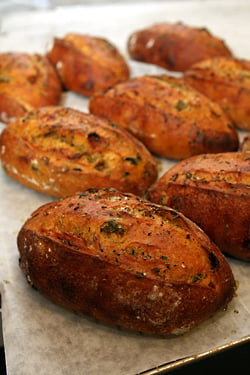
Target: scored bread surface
[59,151]
[125,261]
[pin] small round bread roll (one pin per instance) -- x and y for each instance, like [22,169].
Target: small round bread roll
[87,64]
[175,46]
[27,81]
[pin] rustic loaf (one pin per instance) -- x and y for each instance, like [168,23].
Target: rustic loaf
[213,191]
[227,82]
[87,64]
[59,151]
[125,261]
[170,117]
[27,81]
[175,46]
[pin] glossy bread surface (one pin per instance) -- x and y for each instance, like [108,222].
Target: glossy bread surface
[87,64]
[125,261]
[175,46]
[170,117]
[27,81]
[214,192]
[59,151]
[227,82]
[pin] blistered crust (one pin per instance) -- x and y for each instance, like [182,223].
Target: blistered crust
[125,261]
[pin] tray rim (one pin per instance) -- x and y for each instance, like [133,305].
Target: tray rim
[164,368]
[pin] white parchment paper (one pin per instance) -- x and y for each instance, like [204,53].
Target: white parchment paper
[41,337]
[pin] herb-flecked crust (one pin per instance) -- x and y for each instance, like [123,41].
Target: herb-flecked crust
[171,118]
[214,192]
[125,261]
[27,82]
[59,151]
[226,81]
[87,64]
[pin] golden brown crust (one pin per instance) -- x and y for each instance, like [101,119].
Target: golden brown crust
[170,117]
[125,261]
[227,82]
[26,82]
[59,151]
[175,46]
[214,192]
[87,64]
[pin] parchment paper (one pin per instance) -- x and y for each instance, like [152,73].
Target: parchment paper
[41,337]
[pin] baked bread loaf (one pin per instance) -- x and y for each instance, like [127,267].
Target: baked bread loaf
[175,46]
[227,82]
[87,64]
[125,261]
[59,151]
[27,81]
[214,192]
[171,118]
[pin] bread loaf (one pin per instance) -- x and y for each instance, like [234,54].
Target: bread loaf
[87,64]
[214,192]
[227,82]
[59,151]
[175,46]
[125,261]
[171,118]
[27,81]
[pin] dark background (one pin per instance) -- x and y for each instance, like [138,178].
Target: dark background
[237,359]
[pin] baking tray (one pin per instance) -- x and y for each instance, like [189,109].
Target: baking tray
[52,339]
[165,368]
